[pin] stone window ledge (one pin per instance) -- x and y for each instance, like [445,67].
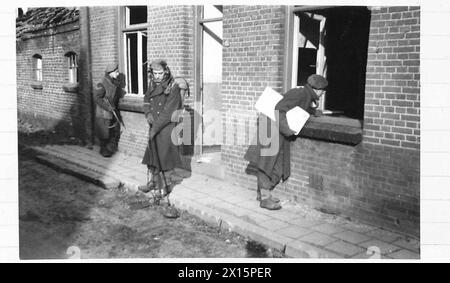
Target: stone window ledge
[36,85]
[333,129]
[71,87]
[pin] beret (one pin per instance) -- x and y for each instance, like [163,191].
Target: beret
[317,82]
[111,68]
[158,64]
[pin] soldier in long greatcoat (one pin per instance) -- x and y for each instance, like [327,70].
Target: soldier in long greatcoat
[161,103]
[276,167]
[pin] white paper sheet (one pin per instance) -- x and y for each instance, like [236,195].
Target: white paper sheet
[296,118]
[267,101]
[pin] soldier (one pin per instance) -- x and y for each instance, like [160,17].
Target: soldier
[107,114]
[272,169]
[161,101]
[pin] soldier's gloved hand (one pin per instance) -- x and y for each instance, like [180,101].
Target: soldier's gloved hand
[150,119]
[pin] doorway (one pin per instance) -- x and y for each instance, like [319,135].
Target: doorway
[208,70]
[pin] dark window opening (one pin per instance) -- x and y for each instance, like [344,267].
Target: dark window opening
[333,42]
[137,15]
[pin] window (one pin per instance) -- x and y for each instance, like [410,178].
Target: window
[73,66]
[134,47]
[332,42]
[37,67]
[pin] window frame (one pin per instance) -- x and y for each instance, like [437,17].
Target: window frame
[72,66]
[38,72]
[342,130]
[125,28]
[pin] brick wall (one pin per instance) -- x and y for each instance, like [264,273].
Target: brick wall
[392,106]
[104,41]
[376,181]
[253,61]
[51,106]
[171,37]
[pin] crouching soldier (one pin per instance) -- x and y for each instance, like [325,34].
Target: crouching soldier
[276,167]
[162,102]
[107,114]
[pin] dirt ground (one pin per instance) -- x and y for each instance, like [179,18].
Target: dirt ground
[62,217]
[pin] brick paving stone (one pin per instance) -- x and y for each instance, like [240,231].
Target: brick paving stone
[259,234]
[228,208]
[233,199]
[344,248]
[352,237]
[328,229]
[366,256]
[302,222]
[208,200]
[359,228]
[255,218]
[409,244]
[252,205]
[294,232]
[384,235]
[318,239]
[404,254]
[282,214]
[196,195]
[299,249]
[273,224]
[384,248]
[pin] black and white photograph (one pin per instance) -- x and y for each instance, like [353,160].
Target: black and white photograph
[219,132]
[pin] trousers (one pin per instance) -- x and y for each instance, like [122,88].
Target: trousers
[268,182]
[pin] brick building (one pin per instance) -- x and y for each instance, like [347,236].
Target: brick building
[360,159]
[47,50]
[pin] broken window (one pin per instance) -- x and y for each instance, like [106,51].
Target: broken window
[332,42]
[134,34]
[73,67]
[37,67]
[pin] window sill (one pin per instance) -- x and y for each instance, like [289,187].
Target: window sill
[333,129]
[132,103]
[72,87]
[36,85]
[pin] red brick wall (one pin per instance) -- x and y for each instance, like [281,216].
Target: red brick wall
[50,106]
[376,181]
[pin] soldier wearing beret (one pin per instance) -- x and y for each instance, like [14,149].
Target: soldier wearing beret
[272,169]
[161,101]
[106,97]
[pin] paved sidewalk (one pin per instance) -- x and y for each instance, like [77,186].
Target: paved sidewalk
[296,230]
